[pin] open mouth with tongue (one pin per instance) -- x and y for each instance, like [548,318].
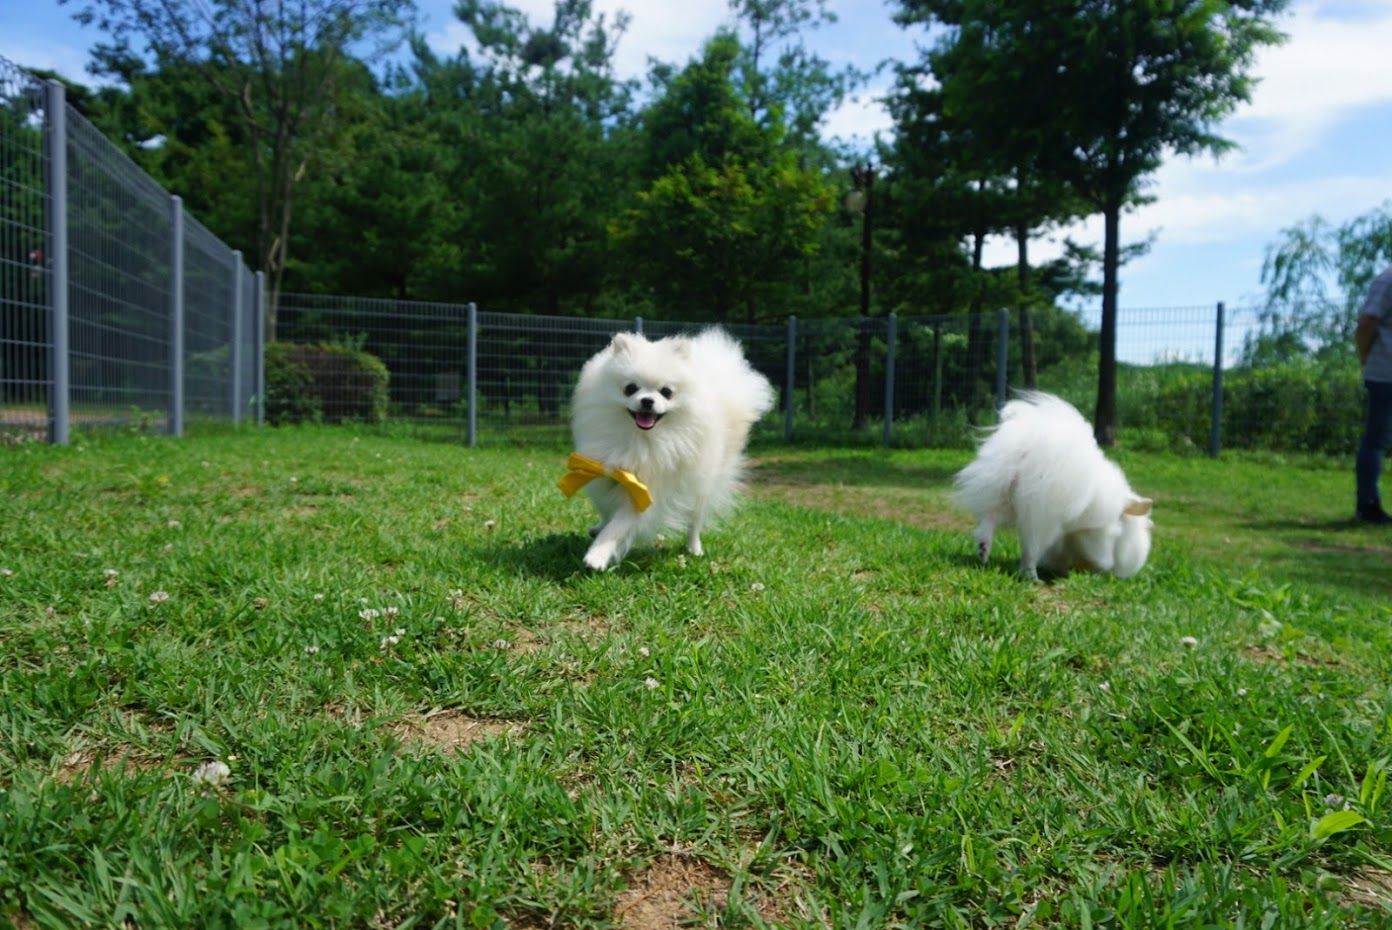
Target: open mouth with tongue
[645,419]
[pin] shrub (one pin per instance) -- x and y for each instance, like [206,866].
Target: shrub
[291,395]
[324,381]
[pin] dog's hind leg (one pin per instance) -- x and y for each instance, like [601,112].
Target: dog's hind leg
[985,532]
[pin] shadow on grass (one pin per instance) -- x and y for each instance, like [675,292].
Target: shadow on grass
[559,557]
[555,556]
[867,470]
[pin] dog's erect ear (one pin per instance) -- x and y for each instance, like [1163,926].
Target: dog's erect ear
[623,343]
[1137,507]
[681,346]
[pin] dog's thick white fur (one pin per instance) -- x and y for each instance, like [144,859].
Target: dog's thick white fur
[676,412]
[1040,470]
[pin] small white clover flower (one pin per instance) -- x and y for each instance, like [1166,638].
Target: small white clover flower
[400,631]
[390,612]
[173,524]
[6,572]
[211,774]
[319,595]
[311,650]
[168,547]
[294,480]
[388,641]
[651,683]
[1333,800]
[644,651]
[681,561]
[488,525]
[501,644]
[110,576]
[110,573]
[1105,686]
[1241,692]
[1188,642]
[756,587]
[659,541]
[159,597]
[369,613]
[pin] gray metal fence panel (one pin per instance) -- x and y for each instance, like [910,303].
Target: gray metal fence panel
[119,229]
[208,268]
[75,209]
[24,276]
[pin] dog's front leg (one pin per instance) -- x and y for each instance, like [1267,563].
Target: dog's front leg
[613,539]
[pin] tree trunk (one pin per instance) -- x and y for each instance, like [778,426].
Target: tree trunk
[1027,362]
[976,338]
[1104,420]
[862,356]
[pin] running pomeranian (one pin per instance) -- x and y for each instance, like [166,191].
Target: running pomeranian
[660,429]
[1040,470]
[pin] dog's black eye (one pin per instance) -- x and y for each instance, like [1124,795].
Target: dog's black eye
[630,390]
[666,392]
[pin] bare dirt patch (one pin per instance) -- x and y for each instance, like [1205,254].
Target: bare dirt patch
[451,730]
[1270,654]
[92,760]
[901,505]
[1370,888]
[674,889]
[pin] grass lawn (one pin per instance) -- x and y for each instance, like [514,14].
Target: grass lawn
[432,717]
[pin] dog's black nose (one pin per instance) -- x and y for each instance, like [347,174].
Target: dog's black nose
[646,403]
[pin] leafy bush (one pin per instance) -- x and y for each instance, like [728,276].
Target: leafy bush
[324,381]
[291,395]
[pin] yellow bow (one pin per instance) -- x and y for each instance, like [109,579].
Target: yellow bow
[582,470]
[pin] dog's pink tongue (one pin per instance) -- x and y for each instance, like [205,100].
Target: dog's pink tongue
[645,419]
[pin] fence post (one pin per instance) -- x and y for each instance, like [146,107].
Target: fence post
[1215,429]
[790,380]
[1002,353]
[56,217]
[472,359]
[260,325]
[235,345]
[176,315]
[937,369]
[638,325]
[891,331]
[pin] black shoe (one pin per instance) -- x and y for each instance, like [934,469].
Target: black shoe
[1374,515]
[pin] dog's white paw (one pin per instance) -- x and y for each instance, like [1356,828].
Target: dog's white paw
[694,547]
[599,557]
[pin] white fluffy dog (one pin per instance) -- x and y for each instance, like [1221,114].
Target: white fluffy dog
[1040,470]
[674,413]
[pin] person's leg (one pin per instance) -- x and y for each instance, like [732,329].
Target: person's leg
[1377,431]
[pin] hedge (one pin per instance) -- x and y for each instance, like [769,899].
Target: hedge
[324,382]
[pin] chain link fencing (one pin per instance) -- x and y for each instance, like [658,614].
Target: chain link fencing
[116,308]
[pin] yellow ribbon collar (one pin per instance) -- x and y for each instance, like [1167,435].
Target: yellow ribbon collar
[581,470]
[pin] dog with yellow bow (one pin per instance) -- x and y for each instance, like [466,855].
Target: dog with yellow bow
[660,428]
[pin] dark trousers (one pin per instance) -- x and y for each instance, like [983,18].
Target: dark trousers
[1377,433]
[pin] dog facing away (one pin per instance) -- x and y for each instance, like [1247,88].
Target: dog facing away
[1040,470]
[676,413]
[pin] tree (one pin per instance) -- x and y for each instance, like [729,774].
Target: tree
[726,214]
[1316,277]
[1117,86]
[542,156]
[278,64]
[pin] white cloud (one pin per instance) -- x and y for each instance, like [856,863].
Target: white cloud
[667,33]
[1330,67]
[65,59]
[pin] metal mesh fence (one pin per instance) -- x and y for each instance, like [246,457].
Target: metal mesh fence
[110,313]
[24,336]
[922,381]
[118,233]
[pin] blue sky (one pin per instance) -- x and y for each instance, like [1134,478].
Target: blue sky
[1317,136]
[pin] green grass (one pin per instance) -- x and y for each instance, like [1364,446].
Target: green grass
[836,718]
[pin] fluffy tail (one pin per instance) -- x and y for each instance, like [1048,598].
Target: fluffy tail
[724,369]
